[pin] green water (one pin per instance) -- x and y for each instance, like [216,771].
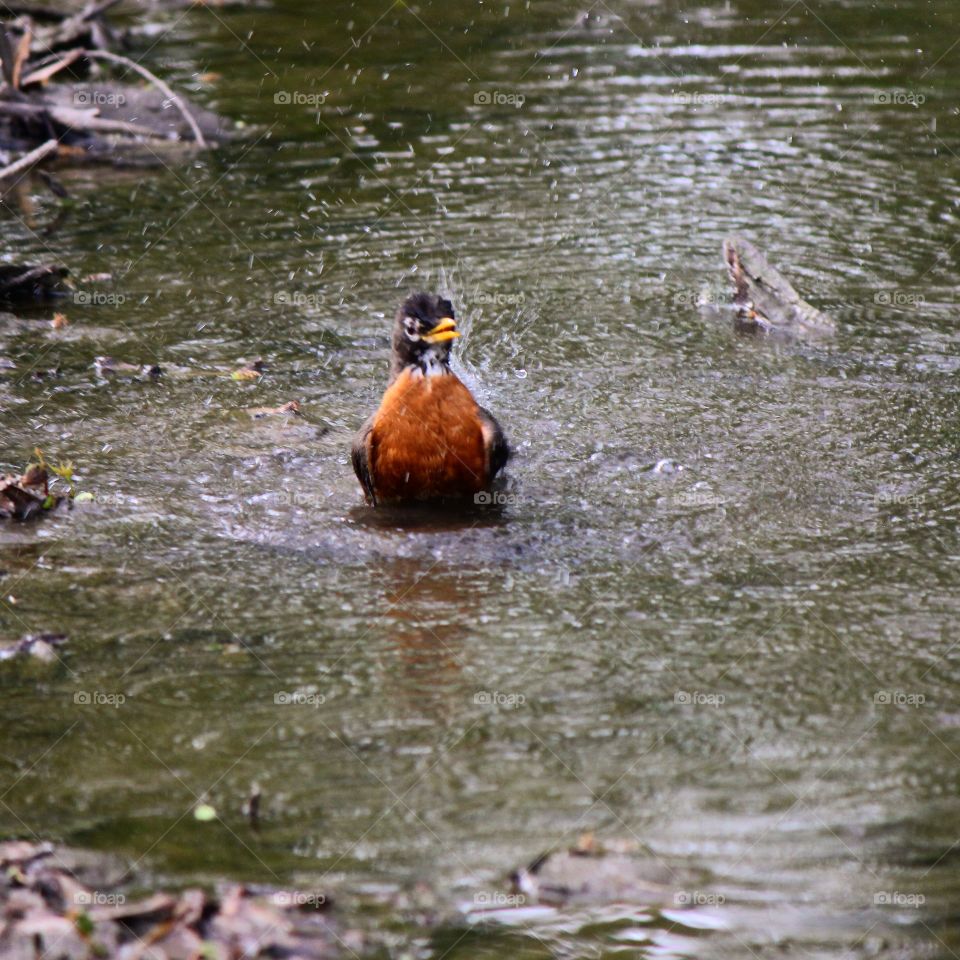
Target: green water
[746,660]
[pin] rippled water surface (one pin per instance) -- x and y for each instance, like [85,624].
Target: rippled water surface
[718,614]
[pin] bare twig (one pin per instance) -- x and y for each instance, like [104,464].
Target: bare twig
[158,83]
[29,159]
[95,9]
[43,74]
[21,55]
[6,55]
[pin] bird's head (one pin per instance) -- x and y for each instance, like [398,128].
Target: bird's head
[423,333]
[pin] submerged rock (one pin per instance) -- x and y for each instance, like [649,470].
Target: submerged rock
[590,874]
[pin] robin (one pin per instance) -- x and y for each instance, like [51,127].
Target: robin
[430,439]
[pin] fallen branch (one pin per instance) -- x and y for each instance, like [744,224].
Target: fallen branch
[158,83]
[43,74]
[29,159]
[79,120]
[95,9]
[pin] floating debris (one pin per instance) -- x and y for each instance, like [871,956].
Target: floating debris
[251,371]
[107,367]
[590,873]
[765,300]
[29,495]
[204,813]
[22,501]
[32,282]
[63,903]
[40,646]
[291,409]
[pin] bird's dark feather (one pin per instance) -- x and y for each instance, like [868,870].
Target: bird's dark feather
[360,455]
[500,451]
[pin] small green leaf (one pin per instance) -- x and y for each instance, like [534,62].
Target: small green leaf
[84,924]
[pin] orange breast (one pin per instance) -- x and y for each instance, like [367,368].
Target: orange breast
[426,440]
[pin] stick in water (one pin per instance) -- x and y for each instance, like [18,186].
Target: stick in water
[29,159]
[158,83]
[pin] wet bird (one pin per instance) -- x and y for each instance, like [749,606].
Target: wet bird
[430,439]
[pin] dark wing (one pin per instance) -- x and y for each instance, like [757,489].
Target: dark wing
[498,450]
[360,454]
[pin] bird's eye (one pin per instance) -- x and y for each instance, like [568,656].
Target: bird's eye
[411,328]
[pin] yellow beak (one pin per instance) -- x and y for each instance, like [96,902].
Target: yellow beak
[446,329]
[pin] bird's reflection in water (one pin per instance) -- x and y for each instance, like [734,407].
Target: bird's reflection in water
[427,617]
[448,517]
